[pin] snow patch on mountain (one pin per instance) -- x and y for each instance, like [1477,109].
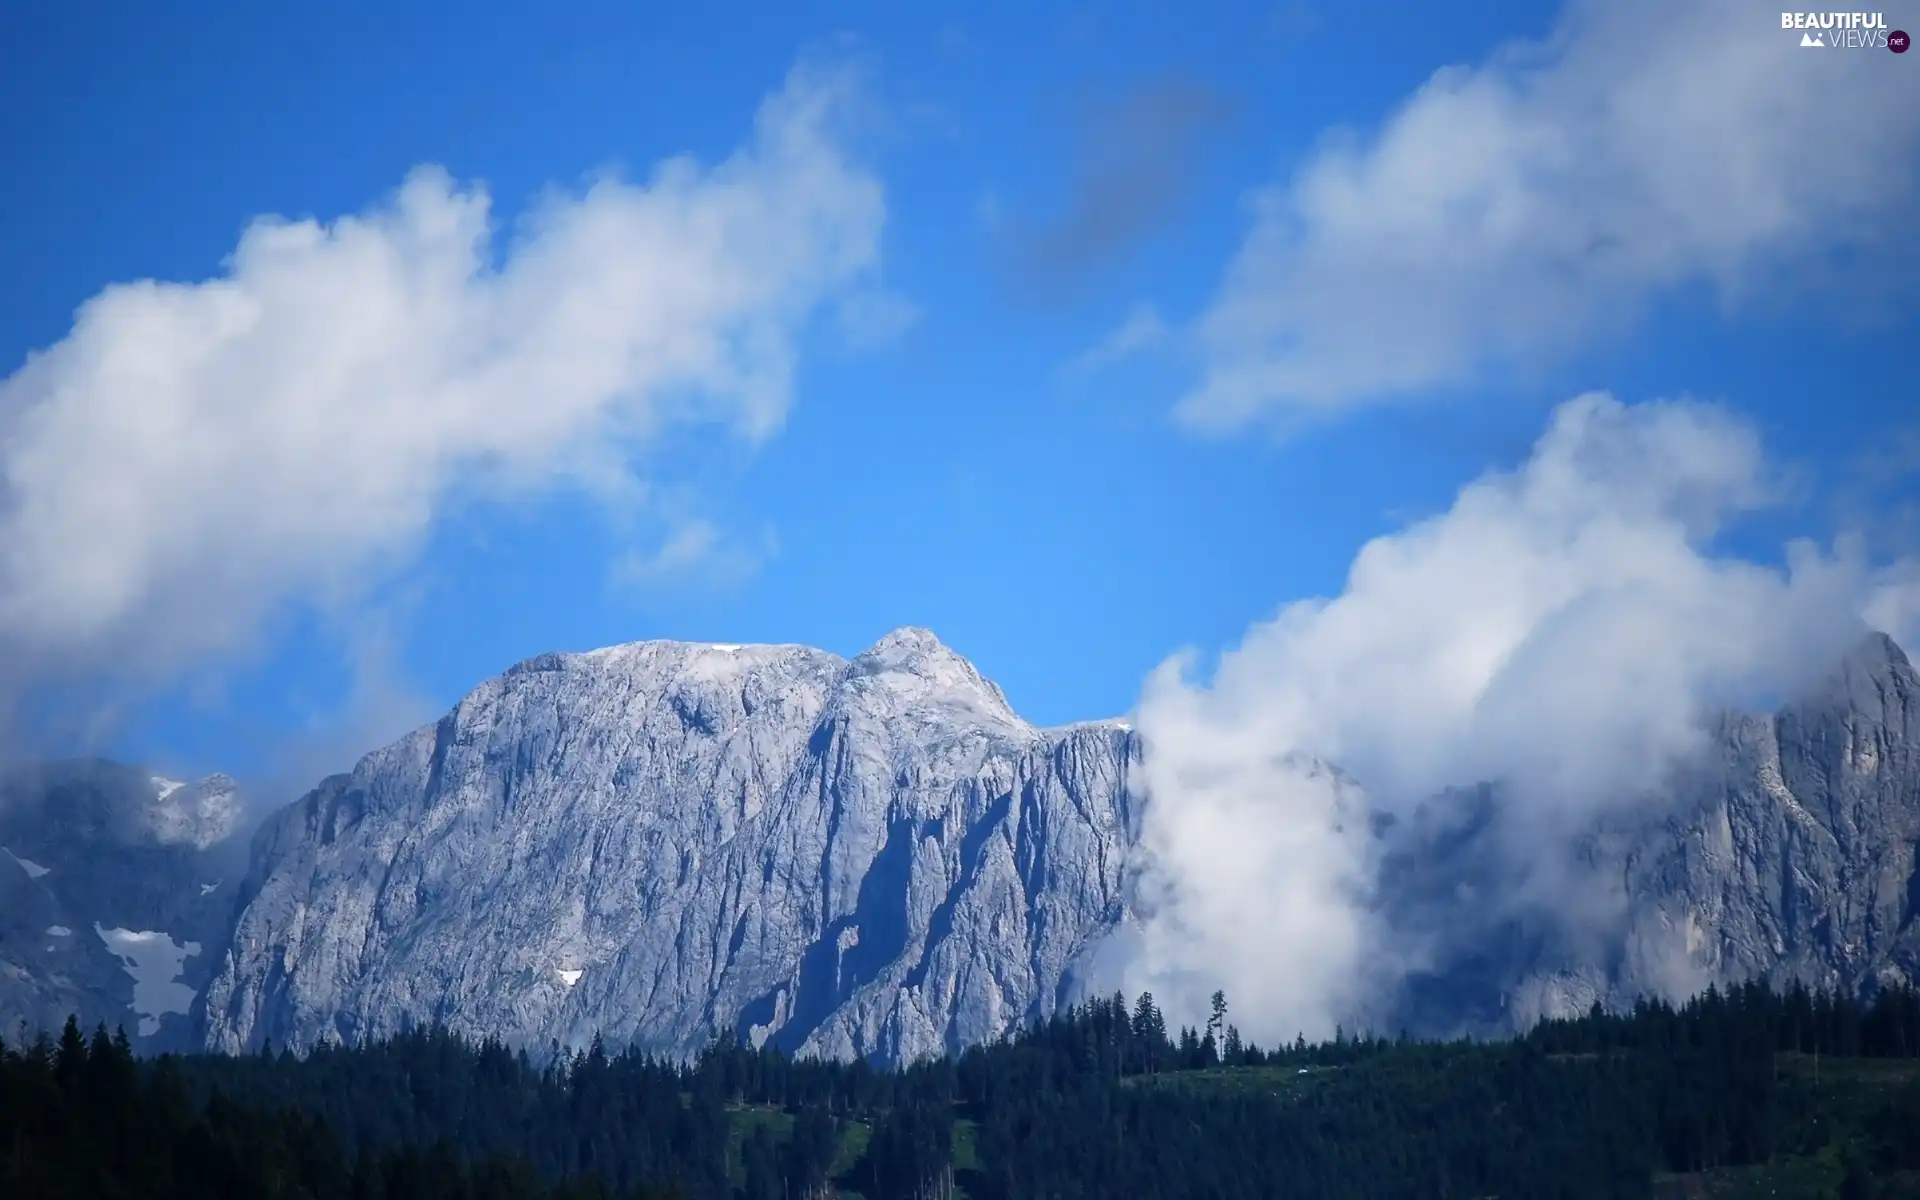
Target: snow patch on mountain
[154,960]
[33,869]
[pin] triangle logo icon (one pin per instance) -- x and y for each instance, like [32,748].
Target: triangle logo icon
[1811,39]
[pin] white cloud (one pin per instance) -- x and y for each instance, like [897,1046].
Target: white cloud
[1510,212]
[1141,333]
[1894,606]
[1564,628]
[192,455]
[695,552]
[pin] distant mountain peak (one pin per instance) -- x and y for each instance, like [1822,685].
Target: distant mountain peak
[197,814]
[906,648]
[919,671]
[137,805]
[1872,668]
[670,648]
[914,651]
[909,639]
[1875,651]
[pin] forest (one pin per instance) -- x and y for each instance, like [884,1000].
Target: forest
[1745,1091]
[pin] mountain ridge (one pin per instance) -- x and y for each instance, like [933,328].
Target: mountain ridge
[875,856]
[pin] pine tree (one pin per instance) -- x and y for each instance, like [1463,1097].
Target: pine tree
[1150,1030]
[70,1059]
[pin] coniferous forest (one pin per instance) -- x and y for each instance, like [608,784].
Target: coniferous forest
[1742,1092]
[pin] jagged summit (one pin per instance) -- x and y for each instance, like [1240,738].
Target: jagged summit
[914,675]
[908,642]
[97,796]
[908,676]
[909,649]
[1875,651]
[1120,724]
[669,647]
[198,814]
[914,651]
[1873,673]
[668,654]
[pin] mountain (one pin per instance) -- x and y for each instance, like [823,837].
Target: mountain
[116,890]
[1789,854]
[878,857]
[872,857]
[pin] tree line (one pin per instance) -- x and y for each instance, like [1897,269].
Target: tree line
[1101,1099]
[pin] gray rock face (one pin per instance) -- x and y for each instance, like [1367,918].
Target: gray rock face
[116,892]
[1789,855]
[874,857]
[1799,860]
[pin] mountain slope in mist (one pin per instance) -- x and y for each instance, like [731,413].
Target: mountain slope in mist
[1789,854]
[116,894]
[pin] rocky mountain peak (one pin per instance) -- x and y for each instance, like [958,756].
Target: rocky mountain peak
[1877,654]
[99,798]
[1874,680]
[199,814]
[660,659]
[912,674]
[908,641]
[1881,645]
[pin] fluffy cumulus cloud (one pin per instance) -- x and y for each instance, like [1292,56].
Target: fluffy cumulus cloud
[191,455]
[1565,629]
[1509,212]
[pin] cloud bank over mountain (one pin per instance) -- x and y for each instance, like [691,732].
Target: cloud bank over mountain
[1566,629]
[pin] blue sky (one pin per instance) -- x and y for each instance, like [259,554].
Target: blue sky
[951,447]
